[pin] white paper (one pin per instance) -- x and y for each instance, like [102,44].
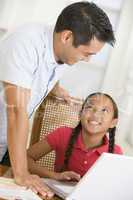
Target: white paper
[9,190]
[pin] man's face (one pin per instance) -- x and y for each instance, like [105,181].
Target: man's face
[71,55]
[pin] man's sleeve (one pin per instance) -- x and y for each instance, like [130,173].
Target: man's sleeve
[17,61]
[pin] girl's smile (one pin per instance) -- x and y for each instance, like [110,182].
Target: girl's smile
[97,115]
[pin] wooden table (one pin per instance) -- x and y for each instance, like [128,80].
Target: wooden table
[3,170]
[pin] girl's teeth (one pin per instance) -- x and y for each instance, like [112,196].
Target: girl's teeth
[94,122]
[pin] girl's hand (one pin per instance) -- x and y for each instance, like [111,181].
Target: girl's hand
[67,176]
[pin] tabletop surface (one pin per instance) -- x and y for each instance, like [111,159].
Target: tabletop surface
[3,170]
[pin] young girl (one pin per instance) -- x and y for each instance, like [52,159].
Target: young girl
[77,149]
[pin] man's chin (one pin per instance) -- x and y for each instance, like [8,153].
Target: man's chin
[71,63]
[60,62]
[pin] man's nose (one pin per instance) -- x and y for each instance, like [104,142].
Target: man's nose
[87,59]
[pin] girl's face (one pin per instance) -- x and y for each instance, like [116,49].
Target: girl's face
[98,115]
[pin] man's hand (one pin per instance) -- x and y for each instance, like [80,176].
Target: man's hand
[62,94]
[34,183]
[67,176]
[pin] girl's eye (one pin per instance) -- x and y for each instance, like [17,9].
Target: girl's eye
[88,107]
[104,110]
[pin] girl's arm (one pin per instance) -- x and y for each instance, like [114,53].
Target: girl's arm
[37,151]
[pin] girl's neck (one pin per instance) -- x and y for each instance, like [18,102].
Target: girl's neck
[92,141]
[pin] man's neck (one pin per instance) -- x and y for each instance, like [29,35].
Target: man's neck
[56,48]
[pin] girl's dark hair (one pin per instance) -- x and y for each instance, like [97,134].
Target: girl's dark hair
[86,21]
[76,131]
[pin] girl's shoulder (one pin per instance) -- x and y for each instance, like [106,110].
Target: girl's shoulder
[61,132]
[59,137]
[64,129]
[118,149]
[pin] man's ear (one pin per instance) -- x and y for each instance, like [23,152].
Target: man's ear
[66,36]
[114,123]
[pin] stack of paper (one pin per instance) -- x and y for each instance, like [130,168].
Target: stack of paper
[10,191]
[62,189]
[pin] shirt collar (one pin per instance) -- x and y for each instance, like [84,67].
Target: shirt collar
[50,57]
[80,145]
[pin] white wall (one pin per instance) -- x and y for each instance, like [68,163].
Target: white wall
[83,79]
[17,12]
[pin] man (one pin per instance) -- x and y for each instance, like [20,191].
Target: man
[32,60]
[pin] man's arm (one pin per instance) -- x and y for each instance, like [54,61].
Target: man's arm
[60,92]
[18,126]
[17,99]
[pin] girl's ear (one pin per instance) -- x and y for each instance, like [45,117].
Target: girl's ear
[114,123]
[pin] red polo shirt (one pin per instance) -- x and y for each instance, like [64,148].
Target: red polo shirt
[81,159]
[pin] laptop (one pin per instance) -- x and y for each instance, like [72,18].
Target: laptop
[110,178]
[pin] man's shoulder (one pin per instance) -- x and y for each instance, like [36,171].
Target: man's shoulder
[31,30]
[24,38]
[30,27]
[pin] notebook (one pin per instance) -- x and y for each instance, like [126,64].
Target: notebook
[10,191]
[111,178]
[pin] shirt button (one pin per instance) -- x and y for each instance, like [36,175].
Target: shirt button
[85,162]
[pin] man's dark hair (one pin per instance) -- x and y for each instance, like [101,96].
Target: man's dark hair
[86,21]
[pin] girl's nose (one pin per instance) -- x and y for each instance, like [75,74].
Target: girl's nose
[96,113]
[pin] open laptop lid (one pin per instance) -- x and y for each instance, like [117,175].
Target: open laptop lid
[111,178]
